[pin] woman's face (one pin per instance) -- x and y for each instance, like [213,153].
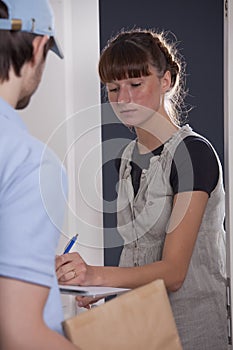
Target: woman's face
[135,100]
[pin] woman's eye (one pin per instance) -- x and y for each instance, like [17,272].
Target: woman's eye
[113,89]
[135,84]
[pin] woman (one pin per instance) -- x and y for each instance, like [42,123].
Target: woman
[170,196]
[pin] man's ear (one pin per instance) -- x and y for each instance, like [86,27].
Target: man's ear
[38,44]
[166,81]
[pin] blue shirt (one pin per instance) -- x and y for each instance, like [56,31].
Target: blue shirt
[32,203]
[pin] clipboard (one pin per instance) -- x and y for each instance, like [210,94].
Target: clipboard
[91,291]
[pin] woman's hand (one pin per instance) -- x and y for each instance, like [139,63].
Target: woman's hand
[72,269]
[86,301]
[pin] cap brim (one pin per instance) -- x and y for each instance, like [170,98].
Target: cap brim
[56,48]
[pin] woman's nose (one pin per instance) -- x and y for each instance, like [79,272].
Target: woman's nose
[123,95]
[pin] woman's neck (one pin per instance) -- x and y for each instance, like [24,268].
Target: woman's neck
[155,134]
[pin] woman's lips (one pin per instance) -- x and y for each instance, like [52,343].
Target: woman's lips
[127,111]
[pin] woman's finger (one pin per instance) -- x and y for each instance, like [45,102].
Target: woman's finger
[68,276]
[67,258]
[86,301]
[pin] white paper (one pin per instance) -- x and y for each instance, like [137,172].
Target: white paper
[92,291]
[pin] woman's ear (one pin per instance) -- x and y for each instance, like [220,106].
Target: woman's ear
[166,81]
[38,44]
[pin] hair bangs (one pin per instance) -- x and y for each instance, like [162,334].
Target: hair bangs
[123,61]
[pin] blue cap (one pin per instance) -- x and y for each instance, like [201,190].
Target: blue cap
[33,16]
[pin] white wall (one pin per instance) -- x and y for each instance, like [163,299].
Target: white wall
[48,107]
[65,114]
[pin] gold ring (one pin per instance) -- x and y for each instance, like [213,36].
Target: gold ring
[74,273]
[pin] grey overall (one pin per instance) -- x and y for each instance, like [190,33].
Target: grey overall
[199,306]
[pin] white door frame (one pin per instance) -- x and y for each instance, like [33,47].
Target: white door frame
[228,139]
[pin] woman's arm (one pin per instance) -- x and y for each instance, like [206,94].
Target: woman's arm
[185,221]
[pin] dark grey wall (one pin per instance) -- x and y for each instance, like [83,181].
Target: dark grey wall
[198,26]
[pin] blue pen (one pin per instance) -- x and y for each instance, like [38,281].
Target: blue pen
[70,244]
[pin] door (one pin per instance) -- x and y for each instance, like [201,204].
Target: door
[199,29]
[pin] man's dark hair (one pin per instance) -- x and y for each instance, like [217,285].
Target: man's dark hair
[15,48]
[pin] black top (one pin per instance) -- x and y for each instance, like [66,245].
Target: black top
[200,156]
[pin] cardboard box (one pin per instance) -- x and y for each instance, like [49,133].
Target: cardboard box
[140,319]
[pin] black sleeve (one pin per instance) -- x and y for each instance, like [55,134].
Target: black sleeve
[194,167]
